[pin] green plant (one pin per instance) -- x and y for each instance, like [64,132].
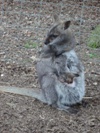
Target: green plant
[93,55]
[94,38]
[31,44]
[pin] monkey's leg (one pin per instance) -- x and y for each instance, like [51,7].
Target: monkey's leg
[24,91]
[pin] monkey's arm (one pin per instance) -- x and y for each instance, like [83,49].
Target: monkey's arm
[23,91]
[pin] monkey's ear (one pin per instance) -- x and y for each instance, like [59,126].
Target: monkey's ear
[67,24]
[56,18]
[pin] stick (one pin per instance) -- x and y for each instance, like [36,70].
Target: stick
[87,97]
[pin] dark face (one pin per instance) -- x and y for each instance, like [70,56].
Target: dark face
[59,45]
[57,30]
[59,39]
[52,35]
[55,39]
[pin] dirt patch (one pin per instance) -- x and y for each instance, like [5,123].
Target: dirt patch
[20,114]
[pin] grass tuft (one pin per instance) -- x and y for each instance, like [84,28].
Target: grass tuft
[31,44]
[94,38]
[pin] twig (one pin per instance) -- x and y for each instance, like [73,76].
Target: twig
[87,97]
[95,73]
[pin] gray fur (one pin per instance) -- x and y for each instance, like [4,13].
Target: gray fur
[60,72]
[61,62]
[59,93]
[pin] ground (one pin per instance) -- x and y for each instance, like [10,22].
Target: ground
[21,114]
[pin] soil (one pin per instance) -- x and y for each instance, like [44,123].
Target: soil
[19,28]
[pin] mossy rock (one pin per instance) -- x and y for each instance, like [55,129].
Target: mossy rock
[94,38]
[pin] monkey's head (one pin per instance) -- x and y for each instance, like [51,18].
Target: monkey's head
[59,38]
